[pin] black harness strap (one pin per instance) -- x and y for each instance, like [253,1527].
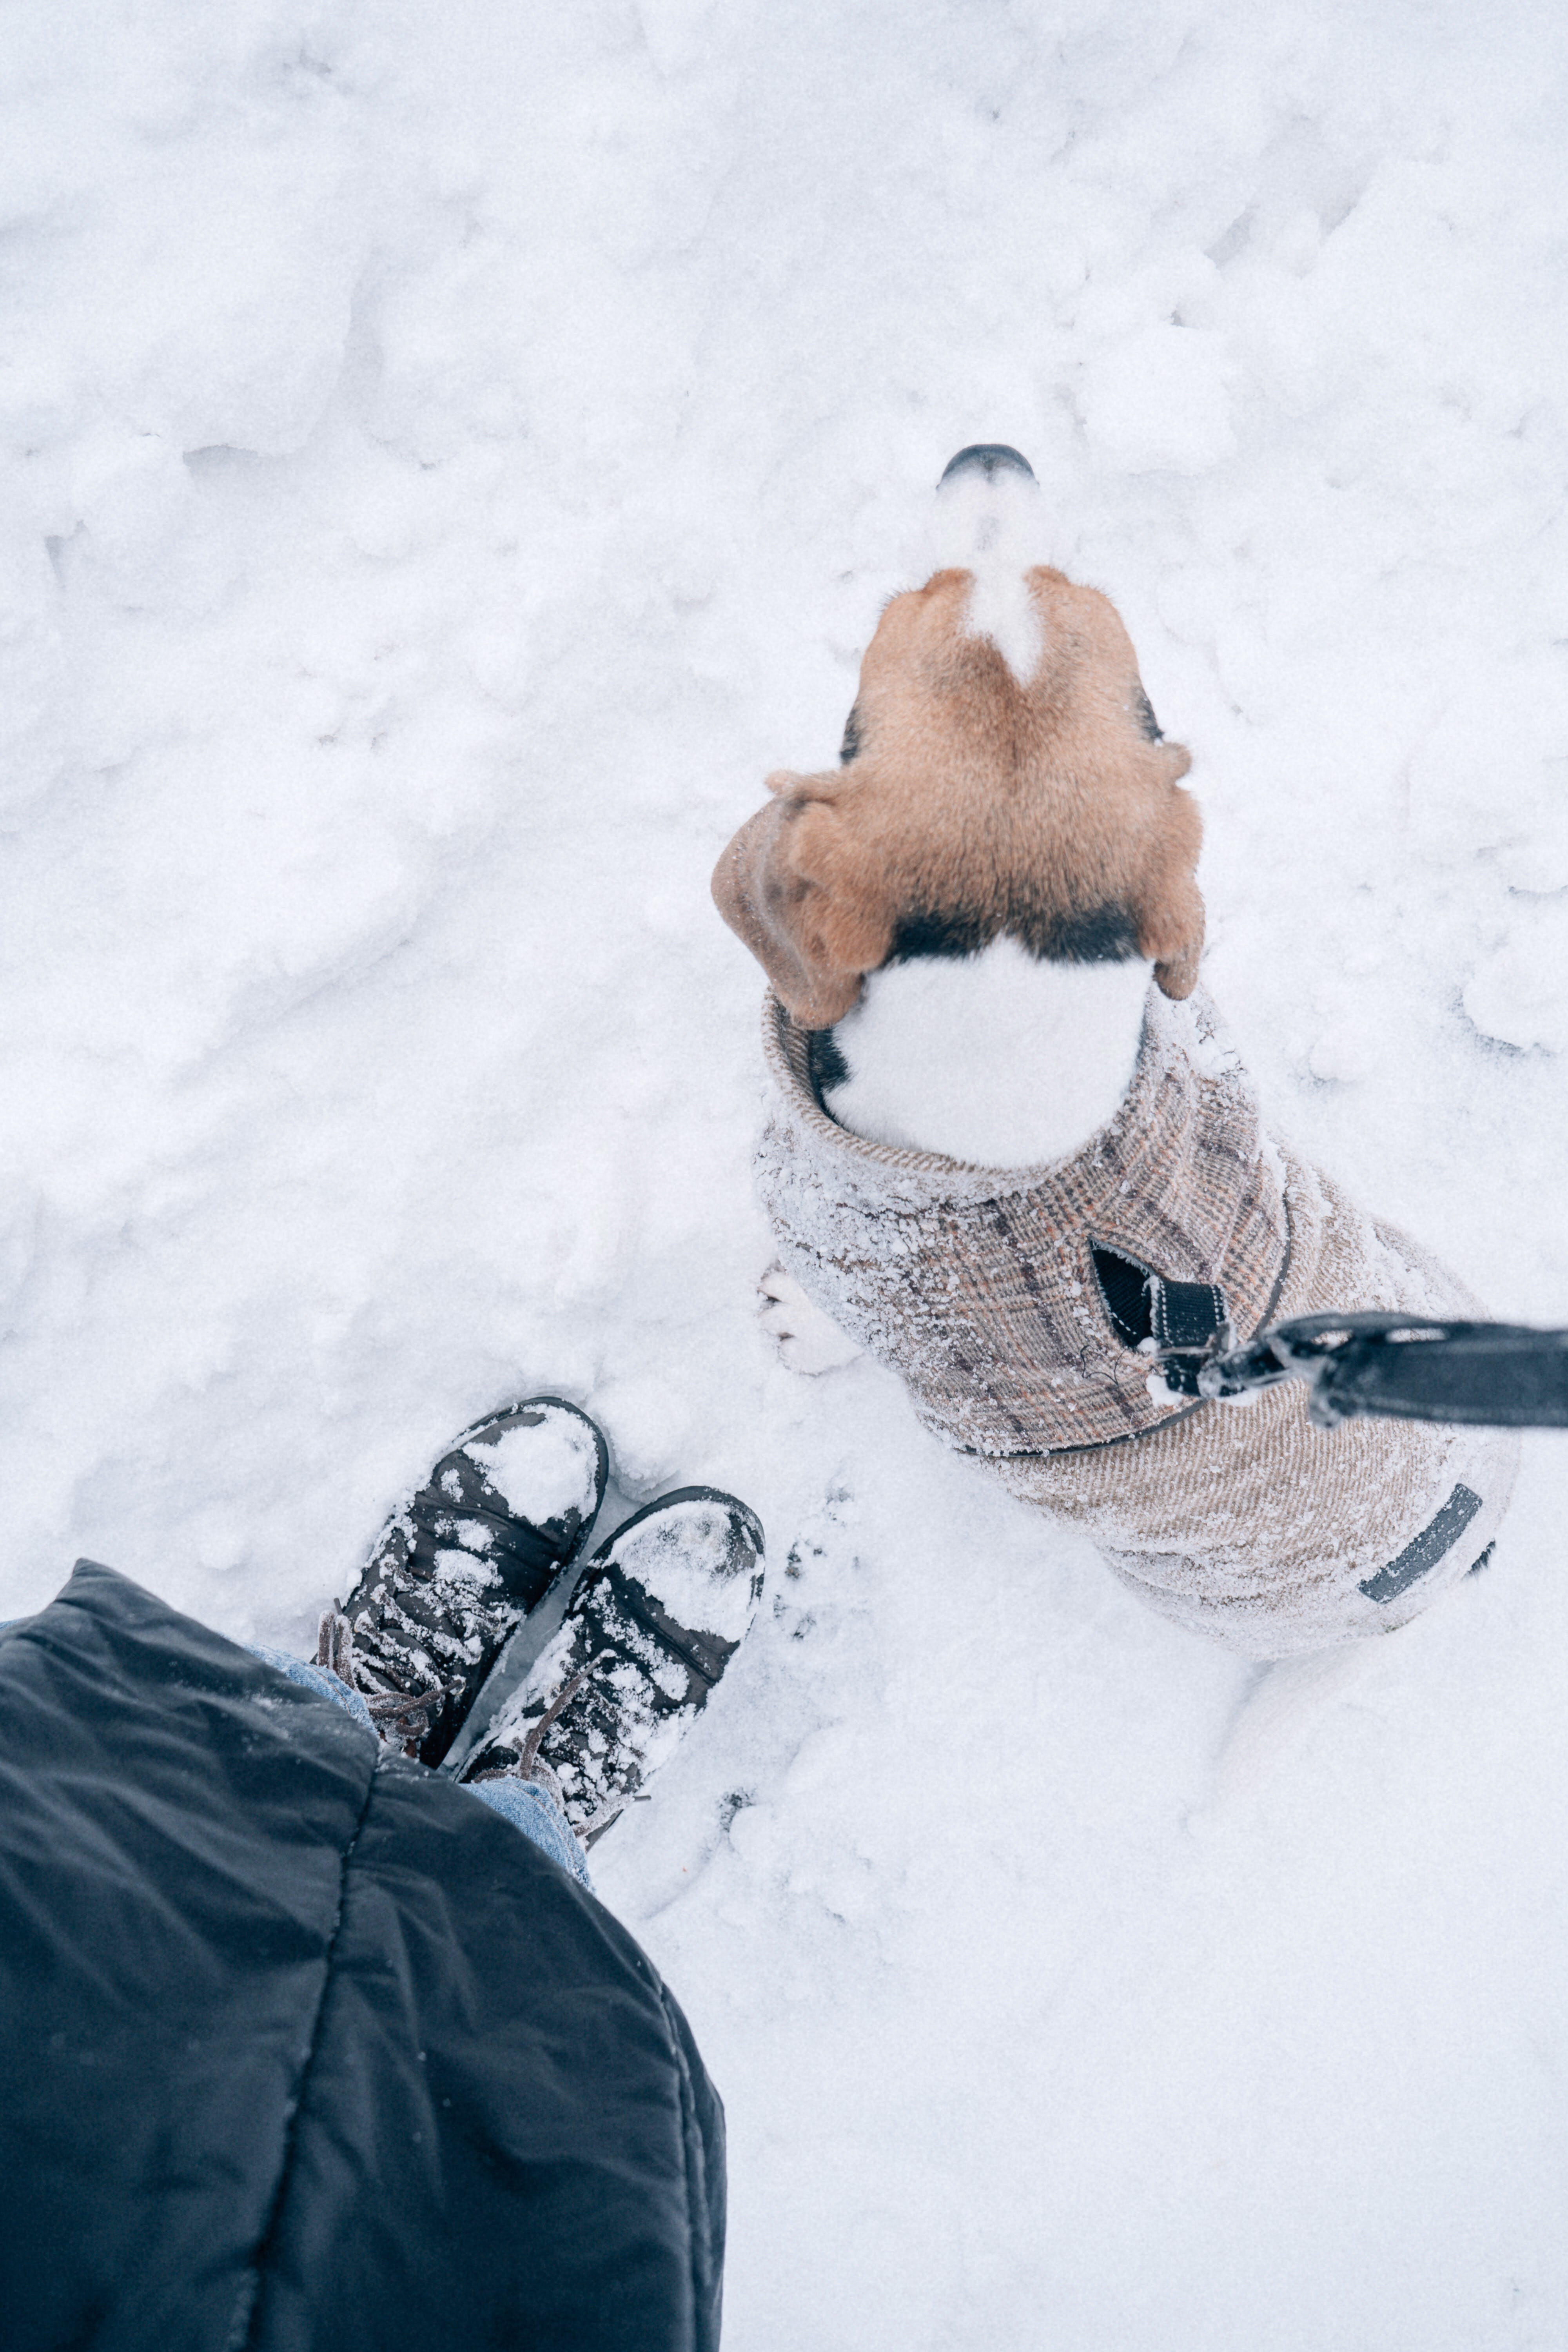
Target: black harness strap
[1184,1318]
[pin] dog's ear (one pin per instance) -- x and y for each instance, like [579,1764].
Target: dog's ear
[1171,909]
[792,885]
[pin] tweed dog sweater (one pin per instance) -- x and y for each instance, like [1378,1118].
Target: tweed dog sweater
[980,1288]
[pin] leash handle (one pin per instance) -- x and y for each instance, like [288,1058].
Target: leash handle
[1407,1367]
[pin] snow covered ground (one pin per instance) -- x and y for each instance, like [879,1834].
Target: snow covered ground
[450,455]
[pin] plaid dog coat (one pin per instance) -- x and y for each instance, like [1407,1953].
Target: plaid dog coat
[1006,1301]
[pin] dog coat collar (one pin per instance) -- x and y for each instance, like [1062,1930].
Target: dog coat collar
[990,1291]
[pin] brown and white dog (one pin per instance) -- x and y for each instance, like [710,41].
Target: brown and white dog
[1010,1151]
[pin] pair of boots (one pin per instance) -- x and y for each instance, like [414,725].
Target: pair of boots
[654,1617]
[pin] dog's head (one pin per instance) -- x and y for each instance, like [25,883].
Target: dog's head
[979,793]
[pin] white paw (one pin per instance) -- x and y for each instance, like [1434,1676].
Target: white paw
[808,1341]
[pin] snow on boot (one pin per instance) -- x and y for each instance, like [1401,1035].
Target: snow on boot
[661,1610]
[460,1565]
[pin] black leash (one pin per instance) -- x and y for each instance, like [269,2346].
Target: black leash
[1500,1375]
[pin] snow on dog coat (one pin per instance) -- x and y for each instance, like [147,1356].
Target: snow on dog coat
[978,1287]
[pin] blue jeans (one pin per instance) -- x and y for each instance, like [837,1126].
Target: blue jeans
[527,1806]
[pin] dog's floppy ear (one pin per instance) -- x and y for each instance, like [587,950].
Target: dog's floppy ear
[793,887]
[1171,911]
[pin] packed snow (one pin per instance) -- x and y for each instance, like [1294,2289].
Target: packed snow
[542,1468]
[689,1560]
[451,457]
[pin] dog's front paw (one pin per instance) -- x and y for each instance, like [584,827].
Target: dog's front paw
[808,1341]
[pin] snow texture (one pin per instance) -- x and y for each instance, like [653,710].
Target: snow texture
[541,1470]
[687,1559]
[451,457]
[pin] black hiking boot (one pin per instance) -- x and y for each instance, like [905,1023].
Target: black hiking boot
[460,1565]
[661,1608]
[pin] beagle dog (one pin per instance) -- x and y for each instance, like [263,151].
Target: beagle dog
[1011,1152]
[966,911]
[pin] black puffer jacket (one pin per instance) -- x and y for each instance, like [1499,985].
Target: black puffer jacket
[303,2047]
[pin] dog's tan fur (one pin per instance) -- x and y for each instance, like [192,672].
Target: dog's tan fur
[975,805]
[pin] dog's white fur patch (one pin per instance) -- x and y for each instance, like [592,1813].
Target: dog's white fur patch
[998,1058]
[994,529]
[1000,607]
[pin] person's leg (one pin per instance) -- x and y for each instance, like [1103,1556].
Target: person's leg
[501,1517]
[532,1810]
[319,1679]
[661,1608]
[657,1615]
[524,1804]
[196,1853]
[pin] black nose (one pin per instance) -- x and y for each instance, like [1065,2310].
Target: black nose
[993,457]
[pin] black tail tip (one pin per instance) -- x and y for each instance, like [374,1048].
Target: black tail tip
[991,458]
